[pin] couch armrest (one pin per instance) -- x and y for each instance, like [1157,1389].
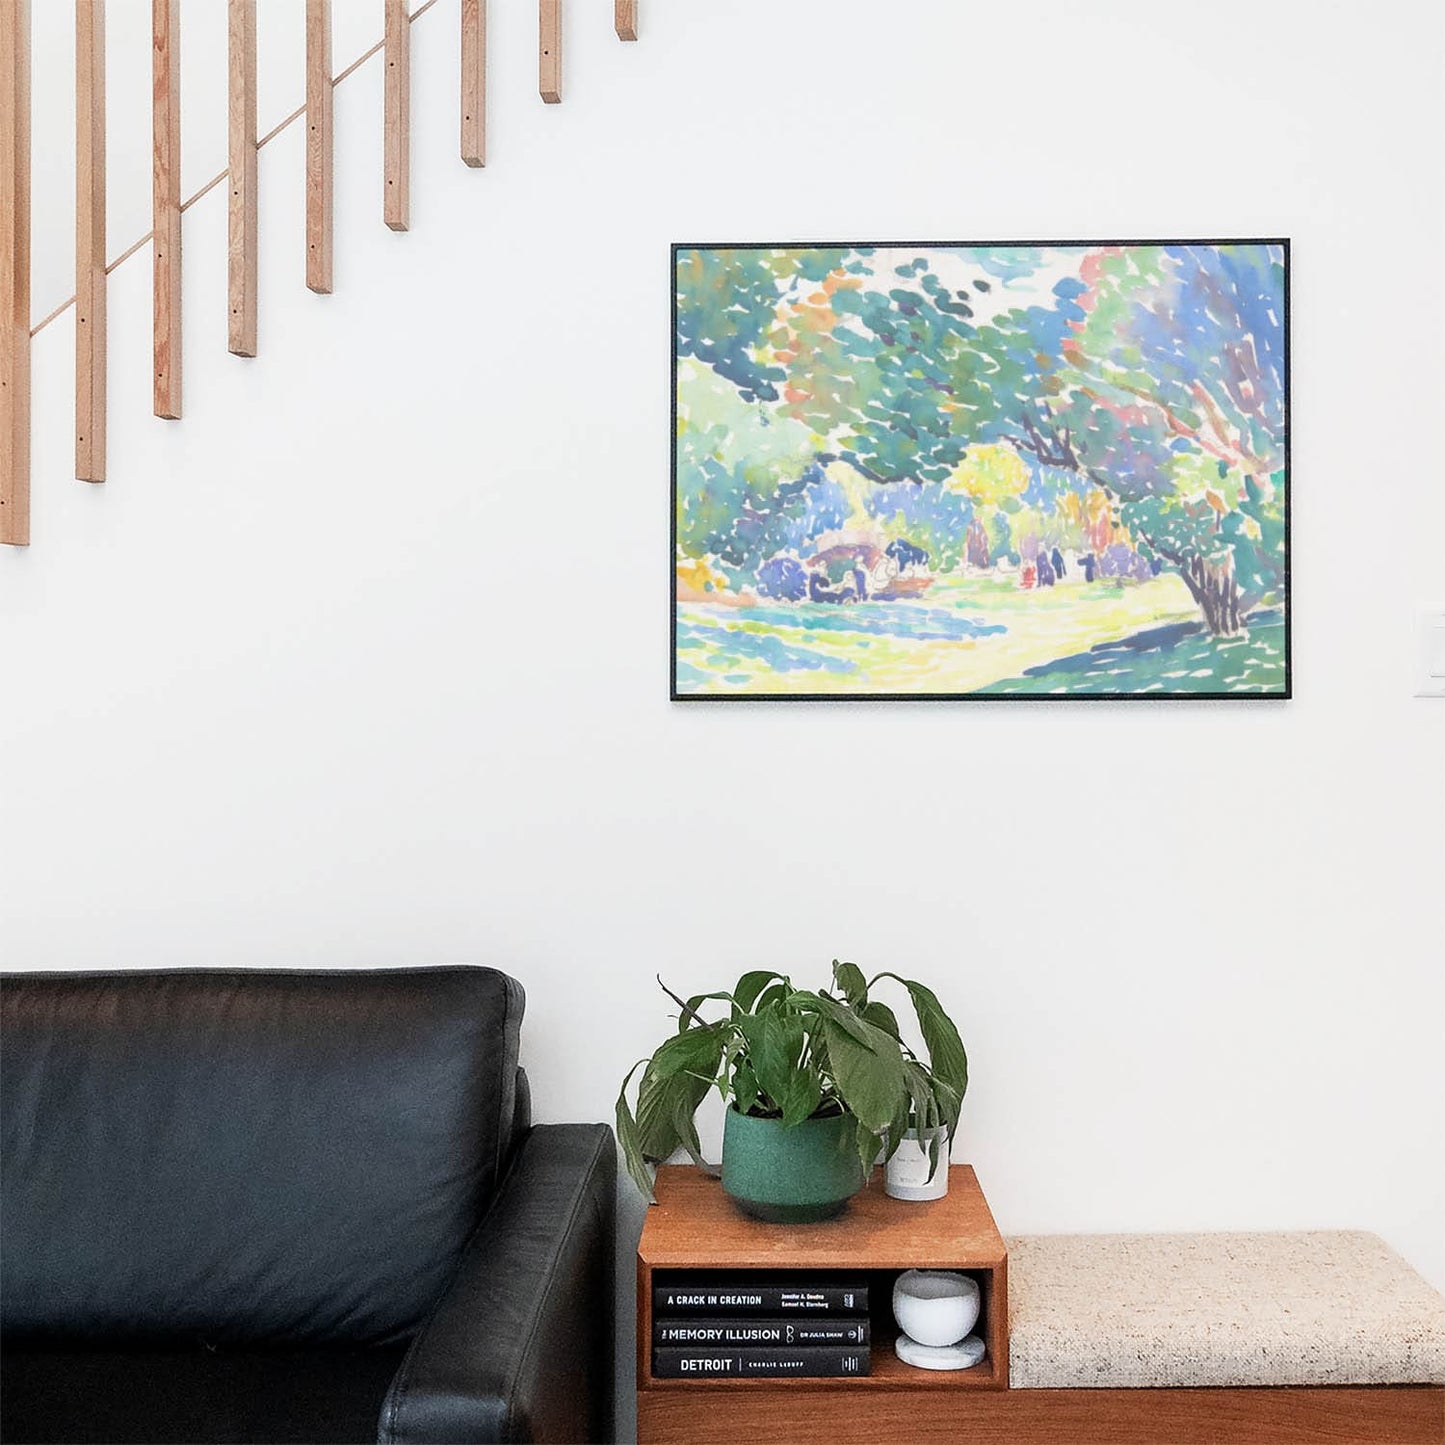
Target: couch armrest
[520,1346]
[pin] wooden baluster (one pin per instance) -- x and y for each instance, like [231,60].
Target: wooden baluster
[318,146]
[166,204]
[242,220]
[474,82]
[549,50]
[624,19]
[396,47]
[90,293]
[15,272]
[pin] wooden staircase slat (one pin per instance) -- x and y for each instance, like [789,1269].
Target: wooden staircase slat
[549,50]
[243,216]
[319,188]
[90,272]
[166,205]
[396,48]
[474,82]
[15,273]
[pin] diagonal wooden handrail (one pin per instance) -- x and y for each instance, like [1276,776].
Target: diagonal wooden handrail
[221,176]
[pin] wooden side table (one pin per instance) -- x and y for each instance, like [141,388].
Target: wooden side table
[695,1226]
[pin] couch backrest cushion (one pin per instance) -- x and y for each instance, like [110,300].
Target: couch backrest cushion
[246,1155]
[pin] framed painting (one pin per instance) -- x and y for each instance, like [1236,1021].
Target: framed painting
[981,470]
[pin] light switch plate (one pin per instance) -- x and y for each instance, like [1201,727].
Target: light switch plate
[1431,676]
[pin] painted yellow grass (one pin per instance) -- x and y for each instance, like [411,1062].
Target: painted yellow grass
[1043,626]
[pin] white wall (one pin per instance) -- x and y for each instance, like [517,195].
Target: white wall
[365,661]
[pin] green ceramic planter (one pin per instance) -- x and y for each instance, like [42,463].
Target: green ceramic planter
[791,1176]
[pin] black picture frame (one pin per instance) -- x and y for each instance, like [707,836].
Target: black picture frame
[1283,694]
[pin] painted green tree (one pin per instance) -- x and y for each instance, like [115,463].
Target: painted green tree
[1172,398]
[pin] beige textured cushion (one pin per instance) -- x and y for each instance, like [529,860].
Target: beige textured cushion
[1329,1308]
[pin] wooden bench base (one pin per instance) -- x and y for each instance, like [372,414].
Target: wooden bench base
[1286,1415]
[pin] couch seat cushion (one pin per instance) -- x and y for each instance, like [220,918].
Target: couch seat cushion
[282,1397]
[1321,1308]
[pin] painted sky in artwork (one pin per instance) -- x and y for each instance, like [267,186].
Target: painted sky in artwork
[980,470]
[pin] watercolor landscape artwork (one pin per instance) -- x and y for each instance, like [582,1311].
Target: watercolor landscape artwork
[1038,470]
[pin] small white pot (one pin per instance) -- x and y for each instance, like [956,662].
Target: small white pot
[905,1176]
[934,1306]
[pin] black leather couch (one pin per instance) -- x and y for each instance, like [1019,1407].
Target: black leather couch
[293,1206]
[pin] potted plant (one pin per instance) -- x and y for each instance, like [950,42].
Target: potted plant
[817,1083]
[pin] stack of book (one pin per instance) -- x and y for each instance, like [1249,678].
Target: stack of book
[745,1328]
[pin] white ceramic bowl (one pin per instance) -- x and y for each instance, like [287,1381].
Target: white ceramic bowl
[935,1306]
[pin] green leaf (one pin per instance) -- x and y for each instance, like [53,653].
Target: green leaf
[838,1014]
[693,1051]
[685,1015]
[881,1016]
[848,979]
[657,1135]
[774,993]
[935,1152]
[949,1104]
[945,1049]
[629,1137]
[750,985]
[869,1075]
[685,1127]
[689,1017]
[735,1045]
[922,1106]
[775,1047]
[867,1143]
[934,1109]
[803,1095]
[677,1077]
[660,1104]
[897,1127]
[818,1060]
[745,1087]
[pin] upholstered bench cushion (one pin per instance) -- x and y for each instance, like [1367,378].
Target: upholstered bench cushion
[1109,1310]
